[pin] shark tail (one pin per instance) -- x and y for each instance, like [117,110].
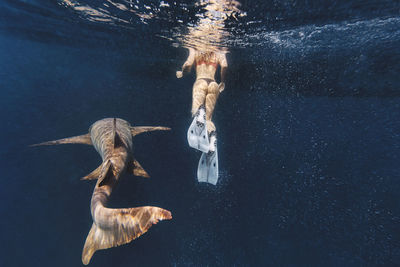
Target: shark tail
[128,224]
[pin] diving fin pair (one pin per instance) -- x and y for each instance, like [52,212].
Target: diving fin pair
[207,170]
[198,138]
[197,134]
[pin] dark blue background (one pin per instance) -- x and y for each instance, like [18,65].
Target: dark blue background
[309,138]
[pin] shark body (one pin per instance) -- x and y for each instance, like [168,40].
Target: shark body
[112,138]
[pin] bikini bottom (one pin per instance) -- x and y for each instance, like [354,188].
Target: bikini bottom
[208,80]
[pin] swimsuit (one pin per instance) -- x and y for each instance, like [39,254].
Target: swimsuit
[214,64]
[208,80]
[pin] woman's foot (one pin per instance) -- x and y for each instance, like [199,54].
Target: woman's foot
[197,134]
[213,141]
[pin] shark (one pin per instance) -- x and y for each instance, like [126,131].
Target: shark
[112,139]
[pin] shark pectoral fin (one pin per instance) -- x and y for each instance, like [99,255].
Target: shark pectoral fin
[138,170]
[81,139]
[127,224]
[142,129]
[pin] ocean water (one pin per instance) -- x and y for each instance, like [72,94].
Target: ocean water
[308,132]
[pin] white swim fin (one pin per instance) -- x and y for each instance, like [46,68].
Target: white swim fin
[207,170]
[197,134]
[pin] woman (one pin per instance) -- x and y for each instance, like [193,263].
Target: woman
[202,132]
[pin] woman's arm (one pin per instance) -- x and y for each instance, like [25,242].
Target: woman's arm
[187,66]
[224,66]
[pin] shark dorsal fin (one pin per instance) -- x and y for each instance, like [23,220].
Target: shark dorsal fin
[117,139]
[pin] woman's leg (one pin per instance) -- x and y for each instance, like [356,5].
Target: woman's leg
[199,95]
[211,100]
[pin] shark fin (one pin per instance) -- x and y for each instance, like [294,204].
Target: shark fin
[117,141]
[81,139]
[94,174]
[102,172]
[116,138]
[106,172]
[142,129]
[128,224]
[138,170]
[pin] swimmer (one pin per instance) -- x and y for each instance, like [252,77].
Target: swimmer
[202,131]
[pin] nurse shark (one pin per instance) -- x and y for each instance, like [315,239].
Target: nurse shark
[112,138]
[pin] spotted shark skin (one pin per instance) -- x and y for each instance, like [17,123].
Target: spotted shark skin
[112,138]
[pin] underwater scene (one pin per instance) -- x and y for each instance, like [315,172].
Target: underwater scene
[200,133]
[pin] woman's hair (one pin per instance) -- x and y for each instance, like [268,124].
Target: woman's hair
[208,56]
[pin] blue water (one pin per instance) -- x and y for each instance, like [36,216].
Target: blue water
[308,127]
